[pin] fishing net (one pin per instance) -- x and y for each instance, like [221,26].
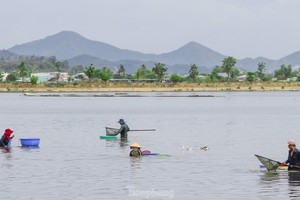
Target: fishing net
[111,131]
[271,165]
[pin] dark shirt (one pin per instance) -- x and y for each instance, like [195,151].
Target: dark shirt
[4,141]
[123,130]
[293,160]
[135,153]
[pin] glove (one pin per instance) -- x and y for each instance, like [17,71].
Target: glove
[283,164]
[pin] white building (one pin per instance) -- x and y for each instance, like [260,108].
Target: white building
[51,77]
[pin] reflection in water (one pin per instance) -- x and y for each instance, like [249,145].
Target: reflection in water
[270,182]
[6,152]
[294,183]
[294,177]
[29,148]
[273,183]
[111,143]
[269,177]
[76,165]
[124,143]
[135,164]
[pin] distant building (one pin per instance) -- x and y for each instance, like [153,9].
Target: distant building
[4,76]
[222,74]
[59,77]
[242,78]
[42,77]
[47,77]
[80,77]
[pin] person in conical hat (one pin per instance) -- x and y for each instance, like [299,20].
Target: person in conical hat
[135,150]
[6,137]
[293,156]
[123,129]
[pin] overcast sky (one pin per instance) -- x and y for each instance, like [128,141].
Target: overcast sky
[239,28]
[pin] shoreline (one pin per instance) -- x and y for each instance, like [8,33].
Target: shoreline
[149,87]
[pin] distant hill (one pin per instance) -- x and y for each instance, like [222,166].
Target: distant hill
[67,44]
[78,50]
[4,54]
[292,59]
[86,60]
[251,64]
[192,53]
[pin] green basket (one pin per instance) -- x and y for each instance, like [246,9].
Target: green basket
[108,137]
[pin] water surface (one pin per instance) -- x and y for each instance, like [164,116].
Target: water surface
[73,163]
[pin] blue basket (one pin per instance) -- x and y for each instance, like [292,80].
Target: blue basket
[27,142]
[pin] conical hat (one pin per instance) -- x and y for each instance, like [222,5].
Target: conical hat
[136,145]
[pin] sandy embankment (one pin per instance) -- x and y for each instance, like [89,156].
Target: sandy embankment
[151,87]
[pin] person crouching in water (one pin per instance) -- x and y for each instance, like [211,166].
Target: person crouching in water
[123,129]
[135,150]
[293,157]
[6,137]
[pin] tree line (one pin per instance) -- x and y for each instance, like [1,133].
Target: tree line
[23,67]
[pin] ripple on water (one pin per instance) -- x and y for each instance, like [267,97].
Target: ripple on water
[73,163]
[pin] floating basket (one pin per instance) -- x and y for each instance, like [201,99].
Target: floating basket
[108,137]
[28,142]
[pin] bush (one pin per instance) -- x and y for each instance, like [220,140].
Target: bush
[176,78]
[34,80]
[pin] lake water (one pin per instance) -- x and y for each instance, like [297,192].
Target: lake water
[73,163]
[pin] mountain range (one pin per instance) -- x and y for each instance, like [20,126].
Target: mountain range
[78,50]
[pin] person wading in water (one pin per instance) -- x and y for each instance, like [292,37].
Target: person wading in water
[6,137]
[135,150]
[123,129]
[293,157]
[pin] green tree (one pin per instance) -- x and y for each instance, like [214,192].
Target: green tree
[284,72]
[143,72]
[90,72]
[250,77]
[105,74]
[214,76]
[140,72]
[23,71]
[193,72]
[269,76]
[160,70]
[228,65]
[12,77]
[234,73]
[34,80]
[1,76]
[261,70]
[175,78]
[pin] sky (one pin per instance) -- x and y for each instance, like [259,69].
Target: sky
[238,28]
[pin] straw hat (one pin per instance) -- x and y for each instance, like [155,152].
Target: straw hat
[291,142]
[135,145]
